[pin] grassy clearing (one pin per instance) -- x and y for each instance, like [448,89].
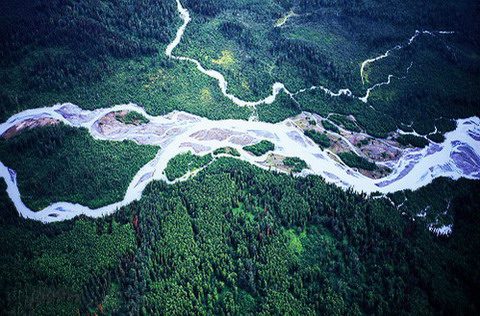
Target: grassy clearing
[295,240]
[226,60]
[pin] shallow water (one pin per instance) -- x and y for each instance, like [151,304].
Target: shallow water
[178,132]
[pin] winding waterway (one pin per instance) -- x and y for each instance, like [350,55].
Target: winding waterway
[278,87]
[177,132]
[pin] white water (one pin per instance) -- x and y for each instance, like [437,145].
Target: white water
[177,132]
[457,157]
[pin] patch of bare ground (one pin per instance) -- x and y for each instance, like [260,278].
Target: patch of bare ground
[370,148]
[28,124]
[214,134]
[197,148]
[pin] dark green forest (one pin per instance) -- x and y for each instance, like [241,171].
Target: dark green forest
[240,240]
[227,150]
[325,43]
[355,161]
[236,239]
[65,164]
[96,54]
[295,163]
[412,140]
[320,139]
[330,126]
[179,165]
[260,148]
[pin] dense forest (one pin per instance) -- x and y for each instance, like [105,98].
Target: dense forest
[355,161]
[46,269]
[325,42]
[240,240]
[65,164]
[96,55]
[236,239]
[296,164]
[181,164]
[260,148]
[330,126]
[227,151]
[412,140]
[320,139]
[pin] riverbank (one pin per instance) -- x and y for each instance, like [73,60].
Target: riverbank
[178,132]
